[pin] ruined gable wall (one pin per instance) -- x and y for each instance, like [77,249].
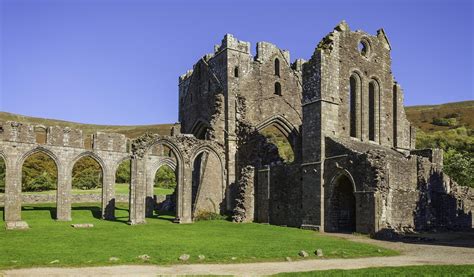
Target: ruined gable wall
[256,84]
[201,95]
[373,65]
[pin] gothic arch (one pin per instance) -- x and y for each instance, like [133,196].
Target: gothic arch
[356,103]
[5,160]
[199,128]
[290,131]
[341,203]
[92,155]
[207,203]
[167,161]
[282,124]
[180,164]
[120,161]
[374,108]
[39,149]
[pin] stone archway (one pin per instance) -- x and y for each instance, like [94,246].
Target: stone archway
[342,205]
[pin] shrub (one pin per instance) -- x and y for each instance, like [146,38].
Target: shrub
[40,183]
[165,178]
[458,146]
[88,178]
[450,122]
[123,173]
[205,215]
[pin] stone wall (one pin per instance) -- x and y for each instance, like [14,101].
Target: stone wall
[278,195]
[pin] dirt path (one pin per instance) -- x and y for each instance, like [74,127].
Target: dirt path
[461,251]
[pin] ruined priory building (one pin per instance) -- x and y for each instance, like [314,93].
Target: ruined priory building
[354,164]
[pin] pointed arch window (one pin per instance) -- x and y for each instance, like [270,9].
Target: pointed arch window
[278,88]
[354,105]
[277,67]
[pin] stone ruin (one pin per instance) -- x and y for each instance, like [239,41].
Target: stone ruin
[355,165]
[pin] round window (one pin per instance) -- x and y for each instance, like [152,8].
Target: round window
[364,48]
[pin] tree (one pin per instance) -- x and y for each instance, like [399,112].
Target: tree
[87,174]
[122,175]
[165,177]
[39,173]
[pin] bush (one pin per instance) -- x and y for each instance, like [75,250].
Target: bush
[39,173]
[39,183]
[205,215]
[123,173]
[165,178]
[460,166]
[88,178]
[450,122]
[458,146]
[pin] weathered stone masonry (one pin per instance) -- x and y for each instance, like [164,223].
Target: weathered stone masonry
[66,146]
[355,167]
[342,112]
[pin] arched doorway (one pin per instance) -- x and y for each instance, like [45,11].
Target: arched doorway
[122,190]
[163,190]
[342,208]
[39,177]
[87,185]
[207,184]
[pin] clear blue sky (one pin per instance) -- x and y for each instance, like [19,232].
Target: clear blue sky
[118,62]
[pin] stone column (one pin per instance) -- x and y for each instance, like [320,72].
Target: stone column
[137,192]
[150,201]
[63,196]
[108,195]
[13,198]
[184,197]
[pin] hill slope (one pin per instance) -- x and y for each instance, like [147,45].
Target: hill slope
[426,118]
[442,117]
[129,131]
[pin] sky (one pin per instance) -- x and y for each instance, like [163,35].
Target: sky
[118,61]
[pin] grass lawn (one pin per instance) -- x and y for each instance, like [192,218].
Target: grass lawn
[422,270]
[119,189]
[164,241]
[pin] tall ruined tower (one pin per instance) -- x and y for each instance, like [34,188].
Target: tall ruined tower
[230,94]
[348,92]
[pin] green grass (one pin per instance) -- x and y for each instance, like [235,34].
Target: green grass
[424,270]
[219,240]
[119,189]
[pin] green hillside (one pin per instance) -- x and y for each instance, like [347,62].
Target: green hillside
[442,117]
[129,131]
[449,127]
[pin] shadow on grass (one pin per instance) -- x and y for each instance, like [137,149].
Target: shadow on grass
[164,215]
[463,238]
[95,211]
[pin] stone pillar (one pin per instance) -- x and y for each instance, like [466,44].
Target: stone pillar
[137,192]
[184,197]
[13,198]
[63,196]
[108,195]
[150,201]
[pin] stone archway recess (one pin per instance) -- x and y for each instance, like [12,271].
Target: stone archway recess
[183,147]
[342,204]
